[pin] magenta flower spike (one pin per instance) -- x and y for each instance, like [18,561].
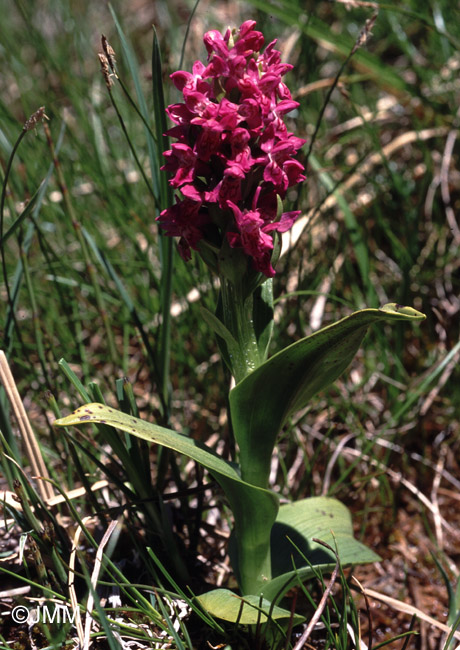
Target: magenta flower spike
[234,158]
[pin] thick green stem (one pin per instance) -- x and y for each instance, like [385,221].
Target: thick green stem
[255,513]
[252,337]
[253,553]
[237,317]
[253,523]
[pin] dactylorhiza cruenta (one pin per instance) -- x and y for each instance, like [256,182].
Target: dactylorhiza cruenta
[232,165]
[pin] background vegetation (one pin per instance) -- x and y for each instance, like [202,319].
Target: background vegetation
[84,278]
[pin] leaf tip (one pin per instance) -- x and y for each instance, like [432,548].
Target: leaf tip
[81,414]
[402,311]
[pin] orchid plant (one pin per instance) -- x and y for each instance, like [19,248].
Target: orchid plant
[232,163]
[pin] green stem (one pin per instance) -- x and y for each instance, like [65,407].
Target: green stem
[254,521]
[2,210]
[237,317]
[253,551]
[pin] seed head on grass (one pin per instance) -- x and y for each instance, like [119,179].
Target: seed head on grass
[109,52]
[107,61]
[105,70]
[35,118]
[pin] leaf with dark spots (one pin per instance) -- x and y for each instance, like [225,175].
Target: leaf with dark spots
[254,509]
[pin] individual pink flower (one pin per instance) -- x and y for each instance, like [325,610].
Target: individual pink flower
[181,160]
[186,220]
[234,154]
[253,237]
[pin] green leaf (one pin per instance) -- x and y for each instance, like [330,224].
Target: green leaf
[321,518]
[261,403]
[165,243]
[219,328]
[296,557]
[262,310]
[254,508]
[228,346]
[161,126]
[99,413]
[247,610]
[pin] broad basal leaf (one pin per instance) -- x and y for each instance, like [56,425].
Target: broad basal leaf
[254,509]
[293,548]
[247,610]
[262,401]
[321,518]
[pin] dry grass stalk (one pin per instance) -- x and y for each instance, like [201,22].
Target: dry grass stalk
[31,445]
[405,608]
[289,239]
[71,580]
[444,176]
[318,613]
[94,578]
[398,478]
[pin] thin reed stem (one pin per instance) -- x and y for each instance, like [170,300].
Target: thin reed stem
[90,269]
